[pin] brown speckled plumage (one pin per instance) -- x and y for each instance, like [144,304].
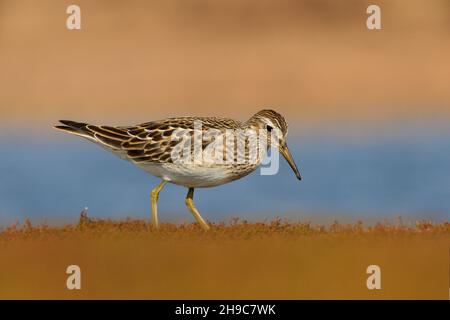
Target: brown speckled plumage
[150,145]
[152,141]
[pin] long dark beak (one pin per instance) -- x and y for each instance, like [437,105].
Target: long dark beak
[284,150]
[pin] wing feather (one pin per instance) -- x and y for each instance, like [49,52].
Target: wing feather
[146,142]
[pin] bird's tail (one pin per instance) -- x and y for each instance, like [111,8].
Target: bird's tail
[111,138]
[77,128]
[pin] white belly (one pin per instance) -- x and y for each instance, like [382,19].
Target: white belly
[193,176]
[190,175]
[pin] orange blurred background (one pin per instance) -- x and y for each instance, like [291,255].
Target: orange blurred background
[134,61]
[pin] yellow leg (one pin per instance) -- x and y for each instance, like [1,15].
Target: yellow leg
[154,198]
[194,211]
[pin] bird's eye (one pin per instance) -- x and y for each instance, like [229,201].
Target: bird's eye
[269,128]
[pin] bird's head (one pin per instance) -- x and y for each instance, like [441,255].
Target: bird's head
[277,130]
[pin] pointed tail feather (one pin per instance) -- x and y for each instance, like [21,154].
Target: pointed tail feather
[77,128]
[73,124]
[105,135]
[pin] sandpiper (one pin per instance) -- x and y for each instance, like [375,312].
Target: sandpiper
[152,146]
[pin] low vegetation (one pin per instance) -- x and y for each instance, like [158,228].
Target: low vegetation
[234,229]
[235,260]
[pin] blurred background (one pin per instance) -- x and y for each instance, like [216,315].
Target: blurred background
[369,111]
